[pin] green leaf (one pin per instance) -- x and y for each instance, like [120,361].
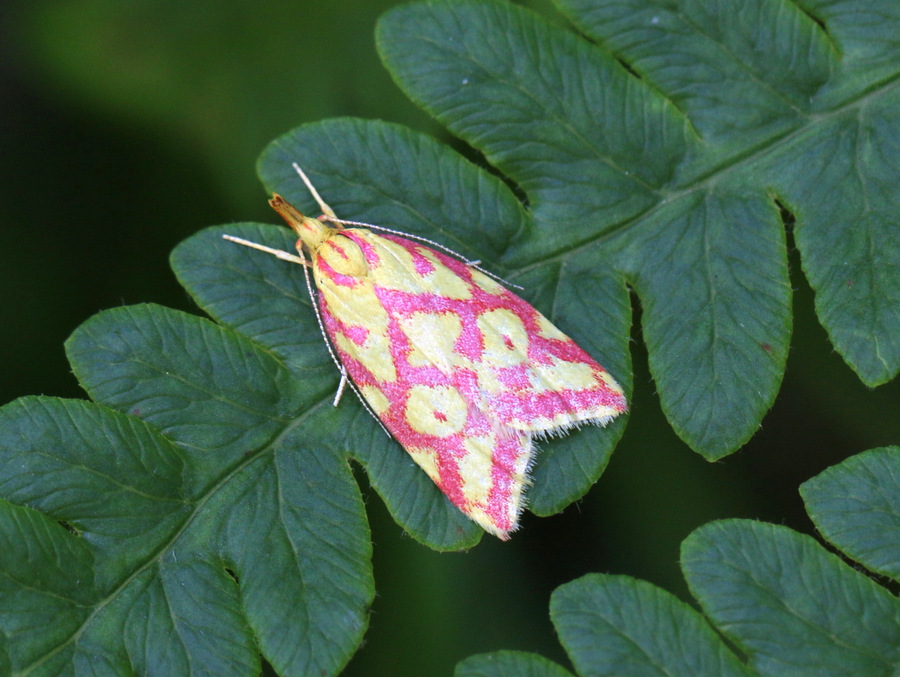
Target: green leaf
[47,583]
[615,625]
[856,506]
[204,525]
[213,392]
[54,461]
[785,603]
[665,174]
[792,607]
[500,663]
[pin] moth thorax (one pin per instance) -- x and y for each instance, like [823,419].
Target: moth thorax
[343,256]
[312,232]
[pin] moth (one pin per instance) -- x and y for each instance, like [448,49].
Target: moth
[462,372]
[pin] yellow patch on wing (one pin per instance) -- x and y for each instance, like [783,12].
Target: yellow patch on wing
[436,410]
[433,338]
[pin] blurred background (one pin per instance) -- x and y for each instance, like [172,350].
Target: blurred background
[126,127]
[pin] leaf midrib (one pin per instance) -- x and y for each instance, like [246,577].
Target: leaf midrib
[706,181]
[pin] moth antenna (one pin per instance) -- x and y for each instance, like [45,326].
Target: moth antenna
[312,189]
[476,264]
[283,255]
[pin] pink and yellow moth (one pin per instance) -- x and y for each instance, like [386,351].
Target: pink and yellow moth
[462,372]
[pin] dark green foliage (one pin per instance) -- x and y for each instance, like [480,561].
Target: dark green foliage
[201,510]
[785,604]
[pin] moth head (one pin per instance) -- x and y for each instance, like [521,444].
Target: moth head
[312,232]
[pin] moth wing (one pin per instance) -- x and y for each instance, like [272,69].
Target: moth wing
[536,378]
[401,332]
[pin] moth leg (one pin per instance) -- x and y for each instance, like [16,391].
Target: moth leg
[341,386]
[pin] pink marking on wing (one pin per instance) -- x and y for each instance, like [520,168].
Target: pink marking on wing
[566,350]
[337,278]
[466,382]
[527,406]
[357,334]
[470,343]
[336,246]
[368,250]
[421,264]
[516,377]
[462,269]
[507,453]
